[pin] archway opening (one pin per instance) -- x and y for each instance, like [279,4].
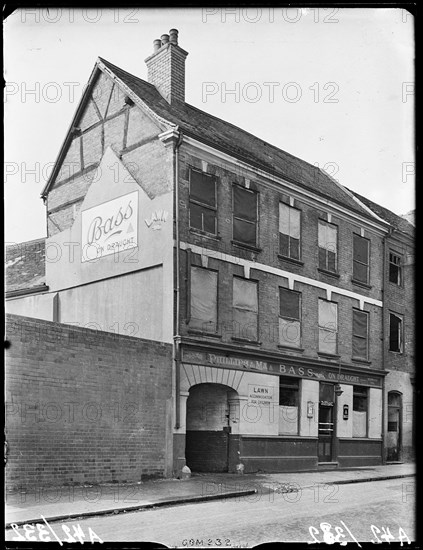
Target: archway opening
[393,436]
[208,427]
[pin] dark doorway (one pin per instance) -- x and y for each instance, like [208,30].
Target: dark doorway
[393,439]
[326,405]
[207,428]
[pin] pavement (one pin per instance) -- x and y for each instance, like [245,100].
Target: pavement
[72,502]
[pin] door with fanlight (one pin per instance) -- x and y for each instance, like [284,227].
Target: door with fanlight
[326,421]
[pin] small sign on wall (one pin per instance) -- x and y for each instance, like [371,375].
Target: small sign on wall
[110,228]
[260,395]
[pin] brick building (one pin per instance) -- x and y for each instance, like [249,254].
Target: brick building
[262,272]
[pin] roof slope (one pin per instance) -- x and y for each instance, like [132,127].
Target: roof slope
[222,135]
[25,265]
[397,222]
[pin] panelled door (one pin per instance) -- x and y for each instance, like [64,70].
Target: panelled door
[326,421]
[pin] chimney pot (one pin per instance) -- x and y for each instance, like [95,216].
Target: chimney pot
[157,44]
[173,33]
[165,39]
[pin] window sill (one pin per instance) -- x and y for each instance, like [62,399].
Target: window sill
[290,348]
[247,246]
[246,341]
[359,283]
[329,273]
[204,234]
[328,355]
[363,361]
[396,352]
[202,333]
[290,260]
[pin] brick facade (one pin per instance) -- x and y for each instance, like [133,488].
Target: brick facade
[84,406]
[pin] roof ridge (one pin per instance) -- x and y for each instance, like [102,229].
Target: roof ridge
[39,239]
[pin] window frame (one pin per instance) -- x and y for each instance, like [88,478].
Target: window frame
[399,266]
[335,331]
[299,259]
[354,279]
[326,268]
[195,329]
[367,338]
[290,319]
[294,384]
[401,333]
[256,194]
[202,205]
[256,282]
[362,392]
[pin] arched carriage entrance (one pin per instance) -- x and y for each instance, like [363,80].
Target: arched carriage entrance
[208,427]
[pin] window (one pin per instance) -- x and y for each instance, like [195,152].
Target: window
[328,246]
[328,326]
[288,405]
[394,268]
[245,307]
[360,404]
[360,340]
[394,411]
[395,333]
[289,231]
[203,312]
[289,317]
[361,248]
[202,201]
[244,215]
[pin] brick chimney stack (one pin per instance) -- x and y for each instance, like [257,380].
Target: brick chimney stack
[166,67]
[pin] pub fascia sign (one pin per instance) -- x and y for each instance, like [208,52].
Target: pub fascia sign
[319,373]
[110,227]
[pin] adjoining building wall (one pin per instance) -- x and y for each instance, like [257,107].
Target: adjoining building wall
[84,406]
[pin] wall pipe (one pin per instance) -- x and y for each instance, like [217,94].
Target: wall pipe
[177,336]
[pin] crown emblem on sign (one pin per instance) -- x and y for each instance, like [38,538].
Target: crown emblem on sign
[157,218]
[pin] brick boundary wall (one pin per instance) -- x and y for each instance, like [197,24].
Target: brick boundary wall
[84,406]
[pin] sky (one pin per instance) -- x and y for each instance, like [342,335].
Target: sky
[333,86]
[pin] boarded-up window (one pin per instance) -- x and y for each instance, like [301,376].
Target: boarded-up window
[289,317]
[203,299]
[202,201]
[361,248]
[328,326]
[245,307]
[360,411]
[394,268]
[288,405]
[328,246]
[360,341]
[244,215]
[289,231]
[395,333]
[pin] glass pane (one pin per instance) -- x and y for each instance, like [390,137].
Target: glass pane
[359,424]
[288,397]
[295,223]
[360,323]
[394,332]
[209,219]
[245,232]
[359,347]
[331,261]
[323,238]
[202,188]
[331,236]
[245,294]
[361,249]
[327,341]
[288,420]
[284,244]
[284,218]
[394,274]
[289,333]
[245,204]
[360,272]
[295,248]
[394,399]
[326,393]
[203,299]
[289,303]
[327,314]
[245,324]
[359,403]
[322,258]
[195,216]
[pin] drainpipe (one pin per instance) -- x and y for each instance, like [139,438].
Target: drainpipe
[177,336]
[384,411]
